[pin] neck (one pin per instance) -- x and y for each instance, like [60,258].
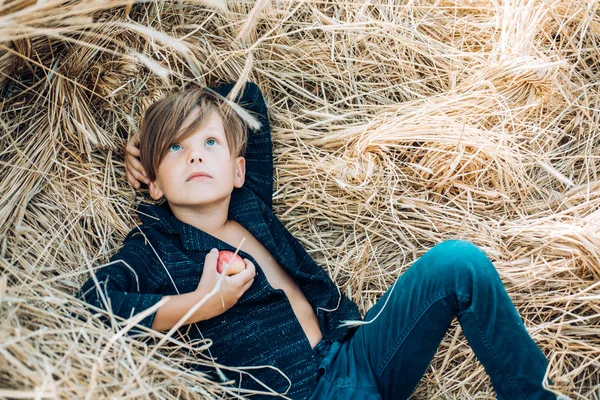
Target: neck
[211,219]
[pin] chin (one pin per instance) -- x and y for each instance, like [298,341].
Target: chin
[197,201]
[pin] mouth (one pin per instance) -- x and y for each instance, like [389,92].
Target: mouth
[198,176]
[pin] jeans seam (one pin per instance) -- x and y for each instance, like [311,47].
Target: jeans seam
[495,356]
[403,335]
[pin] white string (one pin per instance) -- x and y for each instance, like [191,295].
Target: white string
[358,322]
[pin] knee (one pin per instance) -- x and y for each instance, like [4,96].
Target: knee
[462,254]
[462,248]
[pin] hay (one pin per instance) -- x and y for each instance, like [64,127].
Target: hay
[395,126]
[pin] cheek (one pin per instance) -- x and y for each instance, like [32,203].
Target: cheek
[167,170]
[168,163]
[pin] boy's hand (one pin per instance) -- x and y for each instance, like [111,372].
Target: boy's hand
[133,167]
[232,287]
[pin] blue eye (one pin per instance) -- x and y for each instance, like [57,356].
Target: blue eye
[171,148]
[211,140]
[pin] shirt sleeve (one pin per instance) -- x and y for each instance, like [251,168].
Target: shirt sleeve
[126,283]
[259,151]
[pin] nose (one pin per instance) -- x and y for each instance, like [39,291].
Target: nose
[194,157]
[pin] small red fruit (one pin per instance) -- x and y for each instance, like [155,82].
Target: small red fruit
[235,264]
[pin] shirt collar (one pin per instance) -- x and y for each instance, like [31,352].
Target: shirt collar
[158,216]
[242,207]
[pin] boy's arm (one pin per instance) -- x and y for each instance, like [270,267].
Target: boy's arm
[175,309]
[259,152]
[127,284]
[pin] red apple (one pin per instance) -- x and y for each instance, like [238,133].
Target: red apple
[235,264]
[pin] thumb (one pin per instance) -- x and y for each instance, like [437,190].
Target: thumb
[209,271]
[210,261]
[212,255]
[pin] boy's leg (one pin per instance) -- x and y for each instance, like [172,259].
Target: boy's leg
[455,278]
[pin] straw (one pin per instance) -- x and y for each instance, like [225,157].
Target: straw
[395,127]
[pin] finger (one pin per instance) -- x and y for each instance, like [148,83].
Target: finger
[135,169]
[140,177]
[247,285]
[211,258]
[133,140]
[135,178]
[239,283]
[132,180]
[132,149]
[136,165]
[250,268]
[244,276]
[249,264]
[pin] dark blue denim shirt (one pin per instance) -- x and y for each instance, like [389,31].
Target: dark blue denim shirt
[261,329]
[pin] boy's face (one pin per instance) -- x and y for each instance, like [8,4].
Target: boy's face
[206,151]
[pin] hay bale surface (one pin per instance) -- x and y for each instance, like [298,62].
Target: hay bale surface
[395,127]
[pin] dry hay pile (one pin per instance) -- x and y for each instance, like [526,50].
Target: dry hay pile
[395,127]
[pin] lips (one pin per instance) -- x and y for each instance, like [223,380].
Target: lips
[196,174]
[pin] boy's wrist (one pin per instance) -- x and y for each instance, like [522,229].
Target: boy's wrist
[200,314]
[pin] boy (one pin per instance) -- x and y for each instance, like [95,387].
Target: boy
[283,310]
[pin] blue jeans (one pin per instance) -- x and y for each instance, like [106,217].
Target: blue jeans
[388,357]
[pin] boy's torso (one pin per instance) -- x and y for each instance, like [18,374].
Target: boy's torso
[277,278]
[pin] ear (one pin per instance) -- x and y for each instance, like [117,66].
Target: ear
[155,191]
[240,172]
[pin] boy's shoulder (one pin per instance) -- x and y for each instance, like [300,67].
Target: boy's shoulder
[157,217]
[147,237]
